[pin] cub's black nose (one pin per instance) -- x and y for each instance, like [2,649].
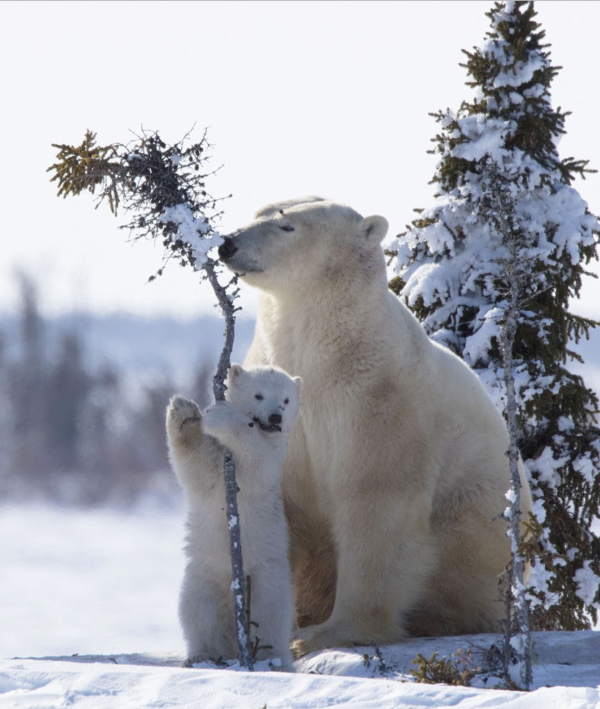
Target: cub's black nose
[275,419]
[227,248]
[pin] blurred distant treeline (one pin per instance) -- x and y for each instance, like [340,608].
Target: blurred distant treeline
[76,433]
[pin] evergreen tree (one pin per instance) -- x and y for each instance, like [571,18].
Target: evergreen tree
[452,273]
[26,381]
[67,392]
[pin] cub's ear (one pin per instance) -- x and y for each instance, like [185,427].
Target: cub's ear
[234,371]
[298,382]
[374,228]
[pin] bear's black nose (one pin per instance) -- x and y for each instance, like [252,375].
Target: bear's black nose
[275,419]
[227,248]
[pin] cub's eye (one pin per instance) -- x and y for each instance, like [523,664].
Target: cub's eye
[287,227]
[286,401]
[260,397]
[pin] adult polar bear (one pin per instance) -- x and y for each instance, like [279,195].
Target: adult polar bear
[397,470]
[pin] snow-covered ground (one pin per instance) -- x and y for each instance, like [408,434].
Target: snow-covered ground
[103,584]
[89,581]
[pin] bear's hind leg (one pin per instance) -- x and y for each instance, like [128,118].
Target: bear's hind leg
[272,613]
[206,618]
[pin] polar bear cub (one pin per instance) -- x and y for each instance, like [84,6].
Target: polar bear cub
[254,423]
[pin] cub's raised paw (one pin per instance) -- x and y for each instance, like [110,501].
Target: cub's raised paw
[182,413]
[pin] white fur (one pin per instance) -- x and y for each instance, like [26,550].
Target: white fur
[196,449]
[396,472]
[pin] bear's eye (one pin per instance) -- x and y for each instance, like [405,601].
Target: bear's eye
[287,227]
[286,401]
[260,397]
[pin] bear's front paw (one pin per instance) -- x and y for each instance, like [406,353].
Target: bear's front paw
[219,417]
[303,644]
[315,637]
[182,412]
[326,635]
[344,634]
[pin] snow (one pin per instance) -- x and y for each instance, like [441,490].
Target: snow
[477,345]
[523,73]
[332,678]
[107,581]
[485,137]
[585,466]
[546,466]
[88,580]
[104,685]
[193,230]
[587,583]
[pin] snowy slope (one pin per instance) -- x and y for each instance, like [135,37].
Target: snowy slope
[104,581]
[28,683]
[568,662]
[83,581]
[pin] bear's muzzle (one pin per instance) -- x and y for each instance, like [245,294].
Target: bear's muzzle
[227,249]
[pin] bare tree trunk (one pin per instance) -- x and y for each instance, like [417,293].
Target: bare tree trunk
[498,208]
[519,641]
[238,586]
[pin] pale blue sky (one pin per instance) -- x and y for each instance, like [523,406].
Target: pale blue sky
[328,98]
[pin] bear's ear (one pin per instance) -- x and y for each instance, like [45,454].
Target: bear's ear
[298,382]
[374,228]
[234,371]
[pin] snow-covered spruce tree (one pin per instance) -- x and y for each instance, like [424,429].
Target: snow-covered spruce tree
[451,272]
[163,187]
